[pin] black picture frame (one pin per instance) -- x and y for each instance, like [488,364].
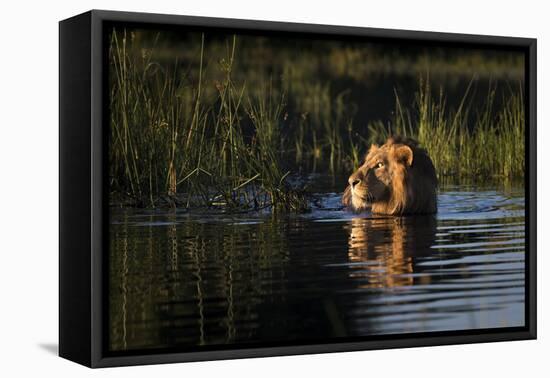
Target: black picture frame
[83,206]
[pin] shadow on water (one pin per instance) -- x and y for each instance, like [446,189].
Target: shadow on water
[182,279]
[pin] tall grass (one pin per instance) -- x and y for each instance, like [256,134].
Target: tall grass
[172,145]
[321,131]
[203,135]
[464,143]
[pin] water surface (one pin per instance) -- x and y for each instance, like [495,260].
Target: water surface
[180,279]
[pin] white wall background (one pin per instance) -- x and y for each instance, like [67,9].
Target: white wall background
[29,186]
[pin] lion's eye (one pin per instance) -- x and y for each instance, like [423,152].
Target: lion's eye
[379,164]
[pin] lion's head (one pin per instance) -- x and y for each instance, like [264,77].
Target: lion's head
[396,178]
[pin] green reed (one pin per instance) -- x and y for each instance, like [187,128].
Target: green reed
[171,144]
[490,146]
[323,132]
[224,135]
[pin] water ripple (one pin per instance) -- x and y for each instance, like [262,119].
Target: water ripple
[185,279]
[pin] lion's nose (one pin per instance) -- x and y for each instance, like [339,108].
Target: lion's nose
[353,181]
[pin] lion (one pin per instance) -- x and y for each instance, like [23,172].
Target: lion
[397,178]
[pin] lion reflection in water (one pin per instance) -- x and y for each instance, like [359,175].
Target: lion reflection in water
[386,249]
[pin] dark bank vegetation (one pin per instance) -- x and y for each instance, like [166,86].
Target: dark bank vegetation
[211,134]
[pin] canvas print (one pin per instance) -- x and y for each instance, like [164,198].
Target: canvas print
[271,189]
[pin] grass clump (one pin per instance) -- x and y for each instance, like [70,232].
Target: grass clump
[463,143]
[219,132]
[170,144]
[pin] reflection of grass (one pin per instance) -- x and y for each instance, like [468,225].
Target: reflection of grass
[193,135]
[182,250]
[494,146]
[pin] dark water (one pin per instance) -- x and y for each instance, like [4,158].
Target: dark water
[184,280]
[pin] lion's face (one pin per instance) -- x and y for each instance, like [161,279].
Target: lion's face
[376,181]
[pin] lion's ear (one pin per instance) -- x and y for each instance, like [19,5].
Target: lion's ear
[373,147]
[405,154]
